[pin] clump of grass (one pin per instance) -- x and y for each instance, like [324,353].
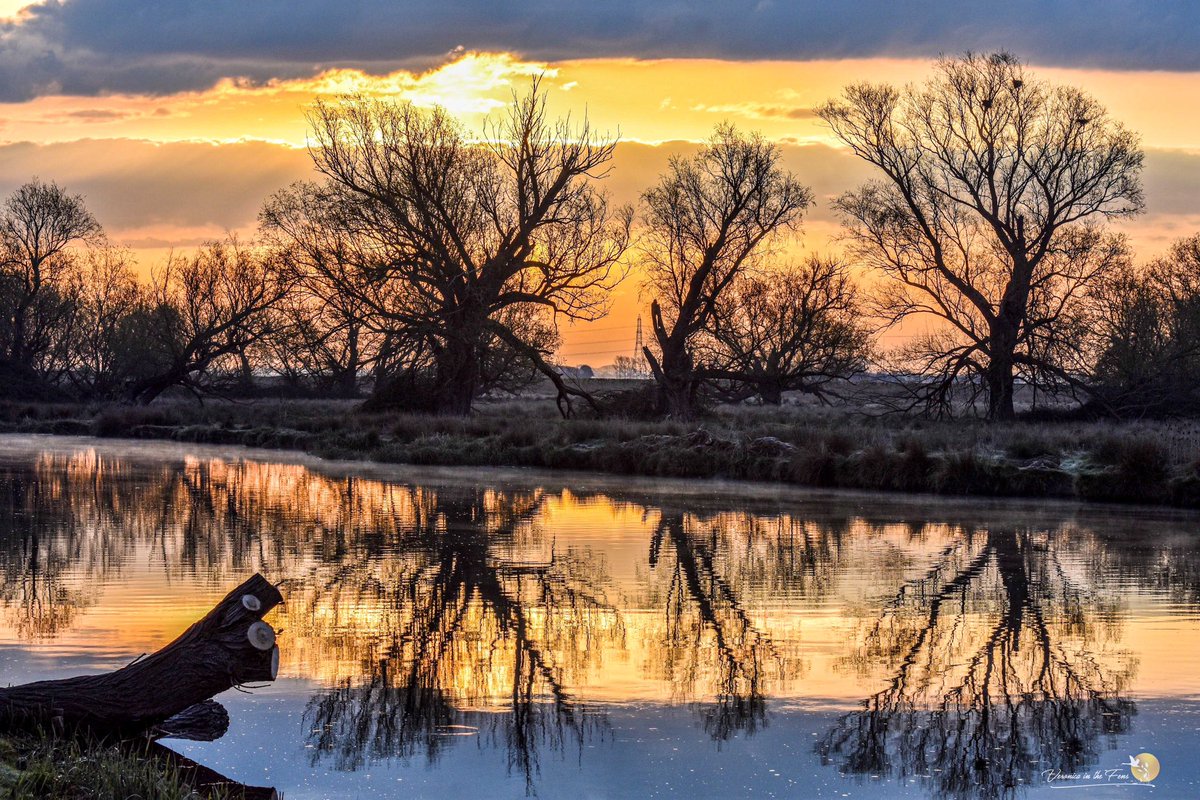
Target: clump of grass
[818,466]
[962,472]
[913,467]
[43,766]
[1129,469]
[1027,447]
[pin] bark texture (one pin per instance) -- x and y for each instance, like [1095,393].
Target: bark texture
[230,646]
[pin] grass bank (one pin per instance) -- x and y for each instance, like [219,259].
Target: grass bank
[1141,462]
[41,768]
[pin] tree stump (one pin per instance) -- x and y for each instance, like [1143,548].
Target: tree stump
[230,646]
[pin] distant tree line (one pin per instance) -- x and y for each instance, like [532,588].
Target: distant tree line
[430,266]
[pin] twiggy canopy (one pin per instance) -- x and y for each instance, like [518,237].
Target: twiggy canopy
[707,219]
[40,223]
[454,242]
[993,183]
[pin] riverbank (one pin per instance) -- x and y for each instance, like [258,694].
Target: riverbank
[39,767]
[1141,462]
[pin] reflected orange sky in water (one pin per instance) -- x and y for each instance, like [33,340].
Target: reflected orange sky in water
[623,599]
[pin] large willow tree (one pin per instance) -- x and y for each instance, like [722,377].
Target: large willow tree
[986,217]
[709,219]
[467,249]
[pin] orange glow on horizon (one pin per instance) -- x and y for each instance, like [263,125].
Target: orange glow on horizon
[667,104]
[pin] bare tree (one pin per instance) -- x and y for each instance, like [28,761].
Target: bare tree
[326,331]
[989,179]
[319,344]
[450,242]
[203,311]
[796,328]
[100,338]
[1144,326]
[39,224]
[708,218]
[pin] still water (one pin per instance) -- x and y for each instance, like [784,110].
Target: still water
[466,633]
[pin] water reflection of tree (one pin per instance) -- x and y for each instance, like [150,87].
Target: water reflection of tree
[40,603]
[994,674]
[710,638]
[39,551]
[483,624]
[451,611]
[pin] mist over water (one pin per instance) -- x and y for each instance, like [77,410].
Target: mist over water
[504,634]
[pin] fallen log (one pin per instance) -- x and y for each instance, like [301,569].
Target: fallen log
[229,647]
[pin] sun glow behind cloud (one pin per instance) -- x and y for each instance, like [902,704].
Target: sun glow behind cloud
[647,101]
[469,85]
[11,9]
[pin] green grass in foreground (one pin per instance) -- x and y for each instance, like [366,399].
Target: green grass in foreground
[1140,462]
[42,767]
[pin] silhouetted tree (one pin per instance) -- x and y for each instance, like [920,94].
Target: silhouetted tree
[710,216]
[325,345]
[102,342]
[40,223]
[202,312]
[1144,327]
[455,245]
[631,367]
[791,329]
[991,179]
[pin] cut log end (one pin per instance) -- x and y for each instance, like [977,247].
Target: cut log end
[231,645]
[261,636]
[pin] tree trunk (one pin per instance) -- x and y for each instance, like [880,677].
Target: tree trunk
[230,646]
[1000,383]
[347,379]
[674,374]
[146,391]
[347,383]
[456,397]
[458,371]
[676,385]
[246,376]
[676,400]
[1000,395]
[771,394]
[1002,345]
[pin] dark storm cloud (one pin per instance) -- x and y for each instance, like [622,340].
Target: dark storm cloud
[94,46]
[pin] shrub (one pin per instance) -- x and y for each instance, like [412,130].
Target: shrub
[1129,470]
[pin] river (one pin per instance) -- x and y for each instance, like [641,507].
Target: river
[505,633]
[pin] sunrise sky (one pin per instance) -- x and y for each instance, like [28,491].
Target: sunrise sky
[177,118]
